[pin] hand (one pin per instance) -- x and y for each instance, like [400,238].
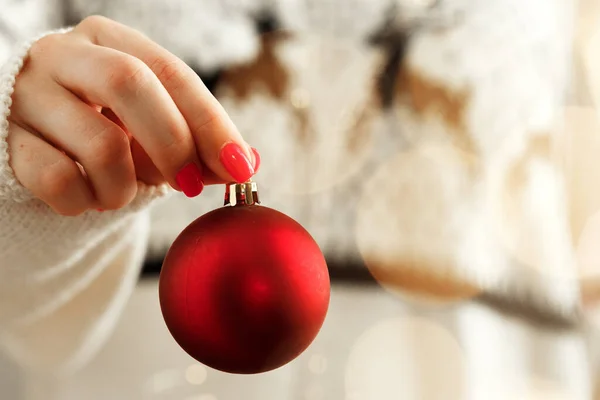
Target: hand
[98,108]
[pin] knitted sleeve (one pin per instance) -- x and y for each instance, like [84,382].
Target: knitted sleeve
[63,280]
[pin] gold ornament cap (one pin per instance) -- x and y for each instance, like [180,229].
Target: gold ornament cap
[239,194]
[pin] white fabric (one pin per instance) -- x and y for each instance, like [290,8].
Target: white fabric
[508,61]
[63,280]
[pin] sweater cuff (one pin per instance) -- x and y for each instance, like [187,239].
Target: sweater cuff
[10,188]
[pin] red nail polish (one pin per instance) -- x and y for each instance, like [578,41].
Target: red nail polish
[190,181]
[256,160]
[236,163]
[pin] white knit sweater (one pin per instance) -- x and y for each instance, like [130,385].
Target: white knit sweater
[456,181]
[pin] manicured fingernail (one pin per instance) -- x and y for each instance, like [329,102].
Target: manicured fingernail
[190,181]
[256,159]
[236,163]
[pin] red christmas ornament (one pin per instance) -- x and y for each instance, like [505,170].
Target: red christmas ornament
[244,288]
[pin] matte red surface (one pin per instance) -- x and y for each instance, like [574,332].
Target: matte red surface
[244,289]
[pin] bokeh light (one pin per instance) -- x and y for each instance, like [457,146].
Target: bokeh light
[163,381]
[588,251]
[539,389]
[206,396]
[405,358]
[417,224]
[529,206]
[195,374]
[581,142]
[317,364]
[582,146]
[545,203]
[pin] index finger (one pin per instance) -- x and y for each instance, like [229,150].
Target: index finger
[209,123]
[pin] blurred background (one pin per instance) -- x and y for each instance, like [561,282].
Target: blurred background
[444,155]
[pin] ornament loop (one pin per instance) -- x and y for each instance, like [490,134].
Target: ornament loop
[237,194]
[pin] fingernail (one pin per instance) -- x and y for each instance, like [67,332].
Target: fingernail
[189,180]
[256,159]
[236,163]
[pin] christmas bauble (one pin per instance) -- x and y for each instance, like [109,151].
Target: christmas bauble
[244,289]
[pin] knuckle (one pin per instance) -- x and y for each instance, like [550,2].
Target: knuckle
[58,179]
[45,45]
[207,121]
[179,146]
[94,22]
[121,198]
[127,75]
[170,72]
[108,147]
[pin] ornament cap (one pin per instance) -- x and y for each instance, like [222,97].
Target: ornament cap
[240,194]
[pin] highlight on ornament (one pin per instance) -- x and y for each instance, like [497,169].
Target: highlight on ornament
[244,288]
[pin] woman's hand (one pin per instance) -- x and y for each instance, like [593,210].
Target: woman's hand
[102,106]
